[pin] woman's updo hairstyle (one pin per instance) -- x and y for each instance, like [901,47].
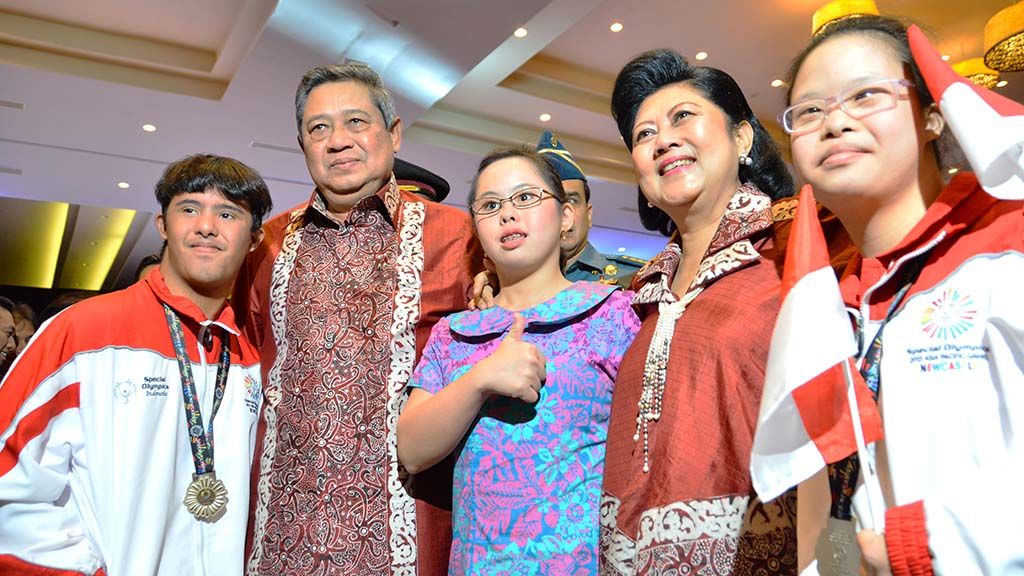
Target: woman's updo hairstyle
[654,70]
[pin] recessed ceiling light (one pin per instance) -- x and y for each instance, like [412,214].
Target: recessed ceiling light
[953,170]
[84,264]
[1001,83]
[622,248]
[545,117]
[616,27]
[702,56]
[123,185]
[520,33]
[945,57]
[148,128]
[776,83]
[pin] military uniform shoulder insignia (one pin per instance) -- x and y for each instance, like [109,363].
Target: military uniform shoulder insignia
[621,269]
[629,260]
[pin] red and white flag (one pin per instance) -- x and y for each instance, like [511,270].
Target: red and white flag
[989,127]
[804,421]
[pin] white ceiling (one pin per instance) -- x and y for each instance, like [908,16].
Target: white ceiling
[78,129]
[175,22]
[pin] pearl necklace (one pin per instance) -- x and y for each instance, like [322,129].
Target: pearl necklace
[656,368]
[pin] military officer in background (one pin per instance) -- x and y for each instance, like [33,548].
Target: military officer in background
[583,261]
[418,180]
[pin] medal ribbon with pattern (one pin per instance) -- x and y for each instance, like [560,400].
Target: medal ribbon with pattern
[206,495]
[842,475]
[837,551]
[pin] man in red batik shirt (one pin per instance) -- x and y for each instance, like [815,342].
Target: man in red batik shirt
[342,295]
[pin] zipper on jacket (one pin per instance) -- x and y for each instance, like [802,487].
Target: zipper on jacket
[865,302]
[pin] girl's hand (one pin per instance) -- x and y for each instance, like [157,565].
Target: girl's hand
[515,369]
[874,556]
[485,286]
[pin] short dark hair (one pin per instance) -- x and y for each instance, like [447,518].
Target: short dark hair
[201,172]
[651,71]
[349,72]
[586,191]
[147,260]
[586,185]
[64,301]
[544,169]
[25,312]
[7,304]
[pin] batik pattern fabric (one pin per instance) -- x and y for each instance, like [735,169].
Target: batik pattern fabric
[528,478]
[345,302]
[694,511]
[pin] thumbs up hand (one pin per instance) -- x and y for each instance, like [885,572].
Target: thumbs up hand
[516,368]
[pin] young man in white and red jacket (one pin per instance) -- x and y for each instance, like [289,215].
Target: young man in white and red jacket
[107,434]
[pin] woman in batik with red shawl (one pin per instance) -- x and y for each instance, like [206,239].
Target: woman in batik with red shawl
[677,492]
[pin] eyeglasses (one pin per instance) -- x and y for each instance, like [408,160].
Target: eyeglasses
[520,199]
[857,102]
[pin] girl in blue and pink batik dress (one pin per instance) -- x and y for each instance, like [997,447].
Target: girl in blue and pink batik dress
[521,390]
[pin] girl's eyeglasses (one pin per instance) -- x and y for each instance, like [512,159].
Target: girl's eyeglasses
[858,102]
[520,199]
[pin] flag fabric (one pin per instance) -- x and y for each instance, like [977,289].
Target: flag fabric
[988,126]
[804,421]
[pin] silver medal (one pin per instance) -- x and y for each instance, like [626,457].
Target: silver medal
[837,550]
[206,497]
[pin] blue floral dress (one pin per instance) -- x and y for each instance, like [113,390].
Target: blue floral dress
[528,478]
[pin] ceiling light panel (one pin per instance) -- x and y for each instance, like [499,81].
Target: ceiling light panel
[99,233]
[33,232]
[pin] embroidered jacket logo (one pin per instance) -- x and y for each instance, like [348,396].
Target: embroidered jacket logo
[253,394]
[124,390]
[949,316]
[945,320]
[155,386]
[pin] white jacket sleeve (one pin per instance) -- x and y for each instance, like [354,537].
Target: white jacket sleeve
[42,463]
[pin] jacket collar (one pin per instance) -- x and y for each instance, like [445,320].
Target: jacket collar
[186,308]
[388,200]
[960,205]
[592,259]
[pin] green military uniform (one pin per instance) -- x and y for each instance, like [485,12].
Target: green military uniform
[590,264]
[605,268]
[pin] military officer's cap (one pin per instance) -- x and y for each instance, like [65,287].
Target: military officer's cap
[418,179]
[552,149]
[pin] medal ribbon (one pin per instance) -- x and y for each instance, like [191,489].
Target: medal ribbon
[200,439]
[842,475]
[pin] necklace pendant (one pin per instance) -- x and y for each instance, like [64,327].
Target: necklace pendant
[206,497]
[837,550]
